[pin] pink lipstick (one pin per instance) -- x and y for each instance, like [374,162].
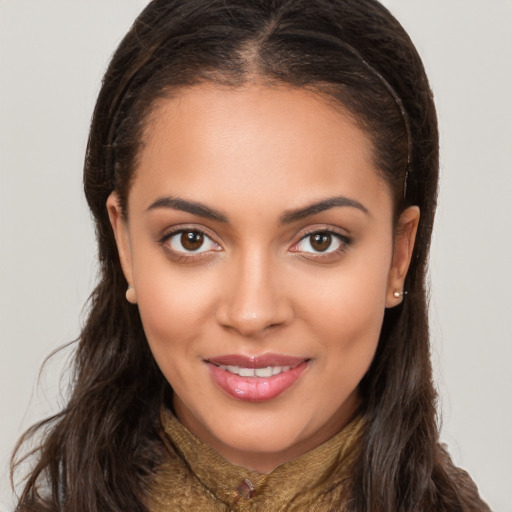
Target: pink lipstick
[256,378]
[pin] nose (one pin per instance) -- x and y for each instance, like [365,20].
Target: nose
[255,299]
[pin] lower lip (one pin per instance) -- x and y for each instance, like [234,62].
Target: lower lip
[255,389]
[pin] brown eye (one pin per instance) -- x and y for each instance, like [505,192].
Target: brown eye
[320,241]
[192,240]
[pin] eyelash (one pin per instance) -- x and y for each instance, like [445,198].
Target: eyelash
[187,256]
[325,256]
[192,256]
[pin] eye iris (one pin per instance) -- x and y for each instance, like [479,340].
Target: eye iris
[321,241]
[192,240]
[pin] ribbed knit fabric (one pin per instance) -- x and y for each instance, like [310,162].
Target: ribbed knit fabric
[194,477]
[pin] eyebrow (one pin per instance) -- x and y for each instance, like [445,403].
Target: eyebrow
[326,204]
[175,203]
[196,208]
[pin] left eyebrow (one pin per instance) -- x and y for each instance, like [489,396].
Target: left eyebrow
[320,206]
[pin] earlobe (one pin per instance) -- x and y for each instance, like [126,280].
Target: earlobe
[120,229]
[402,253]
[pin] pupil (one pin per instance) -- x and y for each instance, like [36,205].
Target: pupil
[192,240]
[321,241]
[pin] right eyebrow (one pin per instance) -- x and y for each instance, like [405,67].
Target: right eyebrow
[196,208]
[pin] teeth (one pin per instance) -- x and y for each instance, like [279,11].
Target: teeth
[263,372]
[269,371]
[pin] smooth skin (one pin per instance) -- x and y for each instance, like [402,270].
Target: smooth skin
[248,269]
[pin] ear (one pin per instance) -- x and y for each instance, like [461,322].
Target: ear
[120,229]
[405,236]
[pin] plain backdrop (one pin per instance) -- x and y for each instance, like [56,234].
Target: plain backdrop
[52,56]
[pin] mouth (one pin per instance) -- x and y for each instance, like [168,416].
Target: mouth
[256,378]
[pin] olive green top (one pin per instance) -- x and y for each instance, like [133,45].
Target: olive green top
[194,477]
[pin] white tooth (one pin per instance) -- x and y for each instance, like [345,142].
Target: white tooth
[269,371]
[246,372]
[264,372]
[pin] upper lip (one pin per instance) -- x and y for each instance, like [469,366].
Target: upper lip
[261,361]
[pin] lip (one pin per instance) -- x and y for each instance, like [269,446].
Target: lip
[256,389]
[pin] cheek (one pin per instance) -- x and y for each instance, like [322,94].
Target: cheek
[345,311]
[349,327]
[174,305]
[351,296]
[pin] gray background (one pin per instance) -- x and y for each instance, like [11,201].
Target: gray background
[52,56]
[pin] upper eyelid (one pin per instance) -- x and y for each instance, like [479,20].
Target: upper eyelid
[322,229]
[168,233]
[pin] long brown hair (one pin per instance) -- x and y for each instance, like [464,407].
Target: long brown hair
[101,451]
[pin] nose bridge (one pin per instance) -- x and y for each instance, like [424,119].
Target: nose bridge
[255,300]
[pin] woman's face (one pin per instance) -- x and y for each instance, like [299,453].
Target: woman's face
[259,244]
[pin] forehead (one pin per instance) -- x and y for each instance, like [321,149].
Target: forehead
[220,143]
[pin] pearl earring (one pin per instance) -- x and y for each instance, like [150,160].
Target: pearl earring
[131,297]
[399,294]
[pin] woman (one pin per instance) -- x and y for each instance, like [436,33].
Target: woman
[263,178]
